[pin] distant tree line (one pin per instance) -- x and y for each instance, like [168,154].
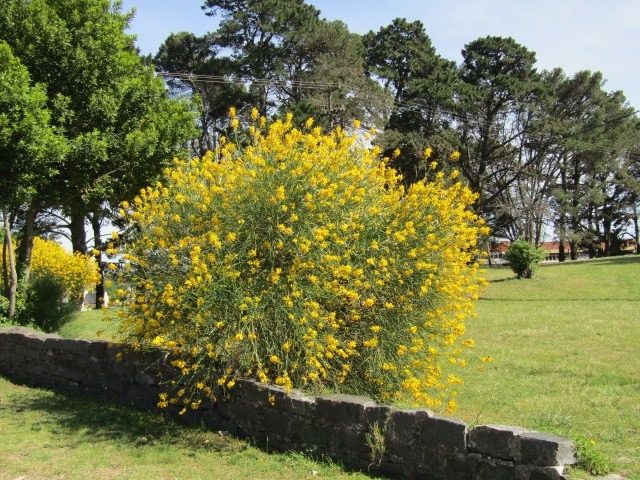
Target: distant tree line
[85,121]
[544,150]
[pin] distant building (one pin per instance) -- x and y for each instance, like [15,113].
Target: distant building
[499,248]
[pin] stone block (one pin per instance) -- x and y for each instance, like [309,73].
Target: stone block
[545,450]
[377,414]
[70,346]
[279,423]
[297,403]
[528,472]
[443,434]
[496,441]
[98,349]
[461,466]
[28,352]
[400,430]
[255,392]
[308,434]
[340,409]
[348,449]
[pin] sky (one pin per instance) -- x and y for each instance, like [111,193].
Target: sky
[596,35]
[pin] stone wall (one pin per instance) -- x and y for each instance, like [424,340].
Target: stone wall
[411,443]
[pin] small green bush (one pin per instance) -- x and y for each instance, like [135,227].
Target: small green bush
[523,258]
[4,309]
[46,307]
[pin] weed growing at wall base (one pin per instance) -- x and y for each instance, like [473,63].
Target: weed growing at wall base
[297,258]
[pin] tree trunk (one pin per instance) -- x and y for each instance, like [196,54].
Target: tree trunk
[636,229]
[78,234]
[26,246]
[95,225]
[573,250]
[5,272]
[13,273]
[606,227]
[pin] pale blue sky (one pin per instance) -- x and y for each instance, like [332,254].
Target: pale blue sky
[575,35]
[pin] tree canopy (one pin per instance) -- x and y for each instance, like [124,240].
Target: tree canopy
[114,114]
[544,151]
[85,92]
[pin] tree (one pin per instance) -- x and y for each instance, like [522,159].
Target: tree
[29,150]
[190,56]
[278,56]
[525,206]
[323,76]
[498,79]
[254,31]
[593,129]
[120,125]
[402,58]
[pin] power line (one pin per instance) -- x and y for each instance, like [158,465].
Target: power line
[248,80]
[413,104]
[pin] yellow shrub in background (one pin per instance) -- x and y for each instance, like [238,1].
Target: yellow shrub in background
[296,257]
[75,271]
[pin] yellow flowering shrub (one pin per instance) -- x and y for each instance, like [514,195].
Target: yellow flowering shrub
[297,258]
[74,271]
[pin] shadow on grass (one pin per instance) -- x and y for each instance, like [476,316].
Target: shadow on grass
[501,280]
[619,260]
[88,420]
[547,300]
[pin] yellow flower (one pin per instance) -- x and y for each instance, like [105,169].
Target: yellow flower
[454,156]
[308,245]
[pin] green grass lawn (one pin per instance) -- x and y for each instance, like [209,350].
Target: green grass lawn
[566,355]
[50,436]
[92,325]
[566,361]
